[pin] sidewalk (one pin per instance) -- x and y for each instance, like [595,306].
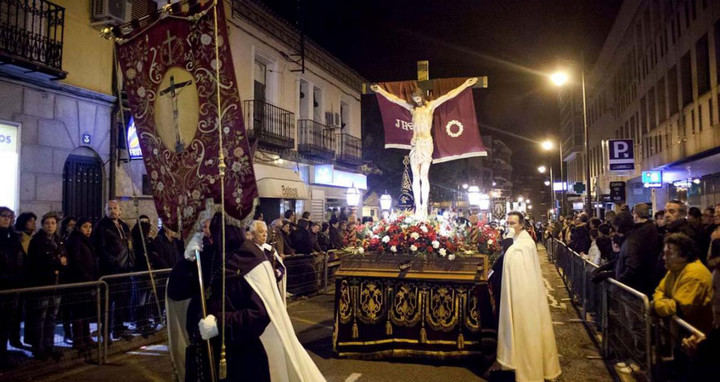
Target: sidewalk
[580,359]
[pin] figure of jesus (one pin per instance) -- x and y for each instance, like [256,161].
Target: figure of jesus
[421,145]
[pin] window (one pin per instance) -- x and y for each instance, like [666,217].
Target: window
[672,90]
[700,118]
[317,105]
[643,116]
[651,109]
[661,101]
[685,80]
[260,81]
[717,49]
[702,64]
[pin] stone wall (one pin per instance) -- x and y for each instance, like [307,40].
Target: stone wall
[52,124]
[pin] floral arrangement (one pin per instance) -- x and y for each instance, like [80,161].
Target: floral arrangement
[405,235]
[488,238]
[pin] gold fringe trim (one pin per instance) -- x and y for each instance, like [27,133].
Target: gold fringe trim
[388,328]
[355,331]
[423,336]
[461,341]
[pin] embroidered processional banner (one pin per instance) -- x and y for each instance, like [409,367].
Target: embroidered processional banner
[168,68]
[455,129]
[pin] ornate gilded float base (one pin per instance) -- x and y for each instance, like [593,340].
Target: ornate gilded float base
[378,317]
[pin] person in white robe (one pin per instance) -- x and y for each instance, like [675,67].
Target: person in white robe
[526,340]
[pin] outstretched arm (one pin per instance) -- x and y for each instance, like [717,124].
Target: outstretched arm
[453,93]
[391,97]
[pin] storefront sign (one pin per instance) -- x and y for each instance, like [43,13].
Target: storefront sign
[289,192]
[652,179]
[328,175]
[617,191]
[9,157]
[621,155]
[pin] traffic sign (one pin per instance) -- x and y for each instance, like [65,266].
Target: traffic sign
[621,155]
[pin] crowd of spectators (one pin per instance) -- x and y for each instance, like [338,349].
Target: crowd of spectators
[672,256]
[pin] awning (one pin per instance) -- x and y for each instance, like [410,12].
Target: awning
[279,182]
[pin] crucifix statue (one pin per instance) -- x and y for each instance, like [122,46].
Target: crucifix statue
[172,90]
[421,145]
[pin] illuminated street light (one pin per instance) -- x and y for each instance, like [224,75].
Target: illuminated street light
[474,195]
[559,78]
[542,169]
[530,207]
[465,186]
[352,196]
[494,184]
[527,201]
[520,199]
[547,182]
[547,145]
[385,201]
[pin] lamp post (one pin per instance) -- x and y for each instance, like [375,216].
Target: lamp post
[385,204]
[560,79]
[548,145]
[542,169]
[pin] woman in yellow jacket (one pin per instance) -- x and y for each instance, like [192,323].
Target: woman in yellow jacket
[686,289]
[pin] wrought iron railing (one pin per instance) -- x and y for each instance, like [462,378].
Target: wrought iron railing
[349,149]
[269,124]
[315,139]
[31,35]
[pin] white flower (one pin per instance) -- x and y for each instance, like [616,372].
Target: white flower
[413,248]
[442,252]
[451,257]
[435,244]
[393,249]
[361,250]
[490,242]
[415,235]
[140,91]
[205,39]
[424,228]
[386,239]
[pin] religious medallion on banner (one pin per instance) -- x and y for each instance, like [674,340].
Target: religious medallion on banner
[169,74]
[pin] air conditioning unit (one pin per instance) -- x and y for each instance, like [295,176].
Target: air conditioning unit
[109,12]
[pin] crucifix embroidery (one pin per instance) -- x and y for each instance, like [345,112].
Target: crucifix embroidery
[168,41]
[173,91]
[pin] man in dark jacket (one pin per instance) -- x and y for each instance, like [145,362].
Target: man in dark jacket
[638,253]
[11,271]
[111,238]
[580,235]
[301,238]
[676,221]
[83,267]
[167,249]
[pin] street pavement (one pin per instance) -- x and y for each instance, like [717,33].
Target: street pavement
[312,318]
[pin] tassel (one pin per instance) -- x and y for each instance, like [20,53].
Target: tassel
[222,370]
[355,333]
[423,336]
[388,328]
[461,341]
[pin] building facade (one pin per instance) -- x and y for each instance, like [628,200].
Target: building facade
[655,82]
[55,108]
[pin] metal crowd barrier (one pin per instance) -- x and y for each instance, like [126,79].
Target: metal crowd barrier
[51,313]
[621,318]
[131,299]
[112,302]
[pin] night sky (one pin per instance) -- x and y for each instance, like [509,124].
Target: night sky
[512,42]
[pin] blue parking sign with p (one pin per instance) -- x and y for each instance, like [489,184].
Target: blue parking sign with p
[621,155]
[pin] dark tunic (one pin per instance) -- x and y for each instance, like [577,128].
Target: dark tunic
[11,259]
[82,261]
[166,252]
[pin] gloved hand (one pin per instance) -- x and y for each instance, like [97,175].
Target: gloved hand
[195,243]
[601,276]
[208,327]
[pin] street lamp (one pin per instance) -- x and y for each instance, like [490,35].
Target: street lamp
[385,201]
[542,169]
[474,195]
[547,183]
[352,196]
[465,186]
[561,78]
[547,145]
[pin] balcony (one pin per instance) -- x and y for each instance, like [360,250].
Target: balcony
[31,36]
[349,149]
[271,126]
[315,140]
